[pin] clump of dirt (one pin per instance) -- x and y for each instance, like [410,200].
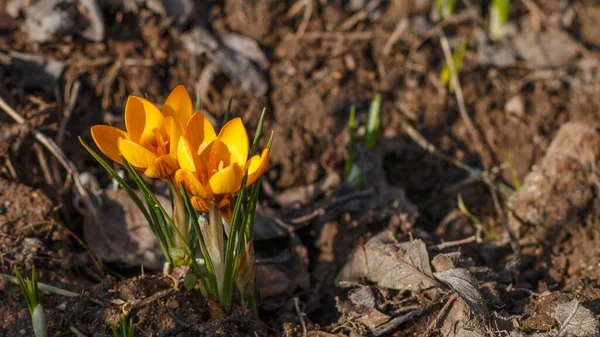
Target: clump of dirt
[30,232]
[153,305]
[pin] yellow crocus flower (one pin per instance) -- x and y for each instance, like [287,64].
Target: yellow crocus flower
[212,166]
[152,136]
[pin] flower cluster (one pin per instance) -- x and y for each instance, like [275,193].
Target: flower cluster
[180,146]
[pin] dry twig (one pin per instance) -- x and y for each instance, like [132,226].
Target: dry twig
[396,34]
[300,316]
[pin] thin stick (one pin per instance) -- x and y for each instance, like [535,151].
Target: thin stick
[396,34]
[459,94]
[72,100]
[514,242]
[448,244]
[454,19]
[76,332]
[301,316]
[367,35]
[360,15]
[43,164]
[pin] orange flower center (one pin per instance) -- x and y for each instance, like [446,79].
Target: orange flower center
[161,146]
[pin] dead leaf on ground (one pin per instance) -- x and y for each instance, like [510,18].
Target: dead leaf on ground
[389,264]
[543,50]
[125,236]
[224,50]
[445,261]
[461,282]
[575,320]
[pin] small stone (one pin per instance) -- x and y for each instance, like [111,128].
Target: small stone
[172,303]
[515,106]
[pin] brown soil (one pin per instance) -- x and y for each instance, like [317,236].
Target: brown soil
[314,77]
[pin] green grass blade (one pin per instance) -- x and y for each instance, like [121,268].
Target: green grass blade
[130,329]
[373,119]
[198,101]
[234,233]
[34,285]
[463,209]
[158,225]
[24,290]
[258,133]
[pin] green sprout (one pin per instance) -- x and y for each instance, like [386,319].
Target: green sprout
[498,18]
[373,117]
[458,56]
[478,224]
[125,328]
[352,172]
[29,288]
[514,176]
[445,7]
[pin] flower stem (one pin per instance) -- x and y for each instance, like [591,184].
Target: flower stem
[218,256]
[179,215]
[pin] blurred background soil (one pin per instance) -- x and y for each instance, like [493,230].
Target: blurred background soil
[66,65]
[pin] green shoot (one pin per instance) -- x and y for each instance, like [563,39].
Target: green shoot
[498,18]
[198,101]
[125,328]
[458,56]
[513,173]
[373,117]
[351,170]
[478,224]
[30,291]
[445,7]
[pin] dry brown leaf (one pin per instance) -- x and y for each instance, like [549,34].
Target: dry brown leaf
[389,264]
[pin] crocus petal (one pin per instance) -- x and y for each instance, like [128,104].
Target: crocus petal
[191,184]
[141,117]
[199,204]
[199,132]
[136,155]
[219,155]
[178,105]
[226,181]
[257,166]
[162,166]
[174,130]
[106,138]
[186,155]
[234,135]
